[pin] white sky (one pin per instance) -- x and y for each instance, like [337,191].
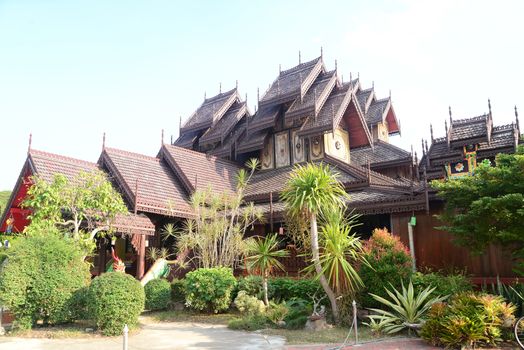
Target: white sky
[71,70]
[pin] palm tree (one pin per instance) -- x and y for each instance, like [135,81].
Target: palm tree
[262,257]
[314,189]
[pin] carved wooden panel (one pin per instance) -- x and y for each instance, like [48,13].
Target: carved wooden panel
[337,144]
[299,152]
[266,156]
[282,149]
[316,150]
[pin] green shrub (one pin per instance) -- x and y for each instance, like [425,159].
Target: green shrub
[248,323]
[298,312]
[178,290]
[158,294]
[115,299]
[40,277]
[248,304]
[209,289]
[469,320]
[78,304]
[276,313]
[252,285]
[389,265]
[444,284]
[284,289]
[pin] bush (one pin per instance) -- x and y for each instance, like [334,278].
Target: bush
[444,284]
[115,299]
[469,320]
[158,294]
[40,277]
[248,304]
[284,289]
[389,265]
[252,285]
[209,289]
[248,323]
[298,312]
[276,313]
[178,290]
[78,304]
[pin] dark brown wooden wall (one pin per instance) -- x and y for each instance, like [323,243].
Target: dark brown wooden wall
[434,249]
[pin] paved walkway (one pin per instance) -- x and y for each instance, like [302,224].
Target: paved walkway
[158,336]
[391,344]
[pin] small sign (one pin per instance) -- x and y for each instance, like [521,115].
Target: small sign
[413,221]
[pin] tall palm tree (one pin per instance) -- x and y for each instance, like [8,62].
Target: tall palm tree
[262,257]
[314,189]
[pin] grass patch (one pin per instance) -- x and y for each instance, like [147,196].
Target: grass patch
[70,330]
[335,335]
[191,316]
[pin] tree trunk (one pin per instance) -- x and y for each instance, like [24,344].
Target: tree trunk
[264,285]
[318,267]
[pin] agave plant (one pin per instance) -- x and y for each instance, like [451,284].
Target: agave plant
[406,309]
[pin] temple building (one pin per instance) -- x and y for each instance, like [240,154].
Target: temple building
[308,114]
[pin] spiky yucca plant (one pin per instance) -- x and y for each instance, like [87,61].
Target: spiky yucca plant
[407,309]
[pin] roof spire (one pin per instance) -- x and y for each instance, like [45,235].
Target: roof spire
[423,150]
[446,126]
[236,84]
[431,131]
[373,84]
[342,78]
[390,94]
[426,144]
[171,139]
[450,115]
[299,57]
[258,94]
[179,125]
[30,142]
[336,66]
[517,118]
[416,158]
[489,106]
[162,138]
[205,93]
[321,52]
[350,76]
[104,141]
[245,99]
[220,88]
[279,68]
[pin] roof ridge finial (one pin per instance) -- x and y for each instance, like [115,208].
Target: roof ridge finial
[426,144]
[220,88]
[373,84]
[350,76]
[358,75]
[336,65]
[179,125]
[162,138]
[446,126]
[321,52]
[236,84]
[171,143]
[30,142]
[299,57]
[205,95]
[431,131]
[258,94]
[342,78]
[245,98]
[390,94]
[489,106]
[423,150]
[517,118]
[104,141]
[450,115]
[279,68]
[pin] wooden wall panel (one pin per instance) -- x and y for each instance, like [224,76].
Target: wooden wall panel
[434,249]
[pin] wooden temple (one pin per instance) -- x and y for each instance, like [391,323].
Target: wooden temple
[308,114]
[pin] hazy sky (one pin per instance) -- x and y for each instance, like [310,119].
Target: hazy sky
[70,70]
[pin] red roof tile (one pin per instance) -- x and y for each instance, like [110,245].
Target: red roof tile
[47,165]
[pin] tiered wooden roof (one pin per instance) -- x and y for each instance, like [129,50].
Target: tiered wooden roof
[490,140]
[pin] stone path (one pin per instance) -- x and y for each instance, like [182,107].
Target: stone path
[157,336]
[391,344]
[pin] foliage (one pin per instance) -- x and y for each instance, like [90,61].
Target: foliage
[469,320]
[285,288]
[512,293]
[252,285]
[178,290]
[262,258]
[4,198]
[248,304]
[276,313]
[209,289]
[443,284]
[378,324]
[88,200]
[216,234]
[298,312]
[297,229]
[340,251]
[405,308]
[314,189]
[487,207]
[158,294]
[78,304]
[115,299]
[389,263]
[40,277]
[248,323]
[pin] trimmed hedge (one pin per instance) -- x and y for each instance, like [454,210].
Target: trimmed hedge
[158,294]
[40,277]
[115,299]
[178,290]
[210,289]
